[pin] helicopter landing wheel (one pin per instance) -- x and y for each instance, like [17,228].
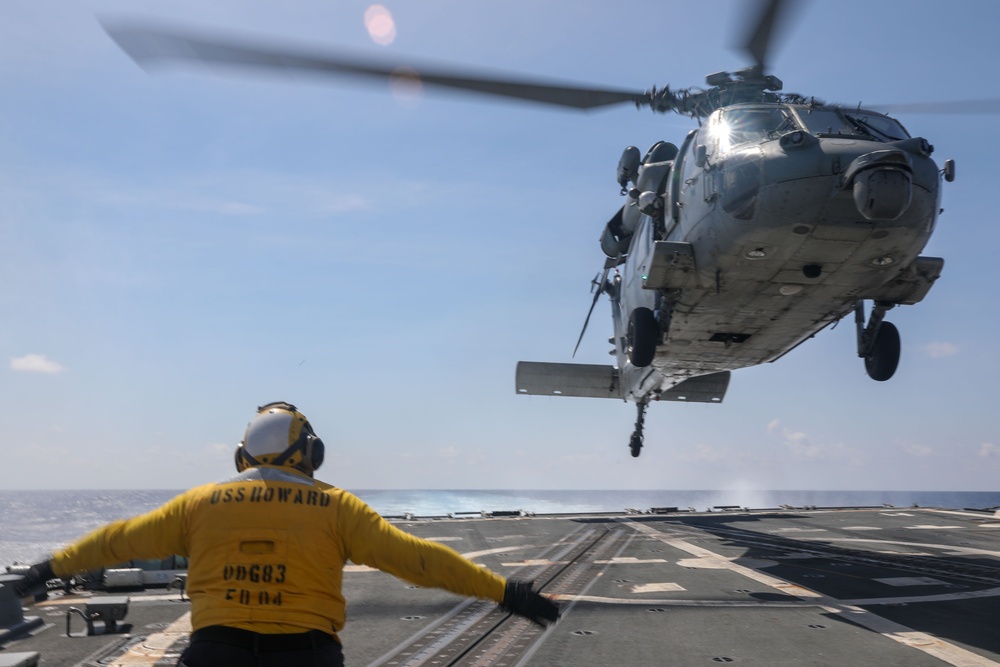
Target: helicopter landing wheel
[635,444]
[641,339]
[883,359]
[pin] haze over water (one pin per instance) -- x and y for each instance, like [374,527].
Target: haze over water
[34,523]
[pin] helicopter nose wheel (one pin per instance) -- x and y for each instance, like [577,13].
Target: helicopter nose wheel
[635,442]
[878,342]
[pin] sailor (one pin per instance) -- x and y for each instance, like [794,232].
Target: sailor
[267,550]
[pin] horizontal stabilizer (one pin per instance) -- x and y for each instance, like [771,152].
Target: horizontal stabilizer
[587,380]
[702,389]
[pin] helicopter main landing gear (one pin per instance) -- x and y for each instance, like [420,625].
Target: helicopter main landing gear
[642,337]
[635,442]
[878,342]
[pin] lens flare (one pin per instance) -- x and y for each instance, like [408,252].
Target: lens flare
[381,28]
[406,87]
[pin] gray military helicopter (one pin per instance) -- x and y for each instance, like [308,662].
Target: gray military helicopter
[775,218]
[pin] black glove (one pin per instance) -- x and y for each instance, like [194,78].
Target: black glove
[520,599]
[34,579]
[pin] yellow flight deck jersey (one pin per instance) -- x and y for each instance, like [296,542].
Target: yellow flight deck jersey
[267,551]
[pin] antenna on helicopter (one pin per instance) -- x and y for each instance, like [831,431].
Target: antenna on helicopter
[597,288]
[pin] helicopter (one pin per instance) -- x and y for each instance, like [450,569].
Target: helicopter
[773,219]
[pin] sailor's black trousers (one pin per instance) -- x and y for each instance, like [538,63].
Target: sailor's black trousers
[221,646]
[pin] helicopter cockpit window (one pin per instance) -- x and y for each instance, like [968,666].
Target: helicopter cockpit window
[743,125]
[838,122]
[882,127]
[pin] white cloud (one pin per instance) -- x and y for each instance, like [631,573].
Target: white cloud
[803,447]
[989,451]
[939,350]
[36,363]
[918,451]
[449,452]
[221,451]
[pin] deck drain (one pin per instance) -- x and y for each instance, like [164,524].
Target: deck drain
[621,581]
[817,626]
[815,576]
[656,610]
[722,658]
[412,618]
[743,590]
[583,633]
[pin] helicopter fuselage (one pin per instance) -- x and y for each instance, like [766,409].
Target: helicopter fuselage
[770,223]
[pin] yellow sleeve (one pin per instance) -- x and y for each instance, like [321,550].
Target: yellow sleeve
[371,540]
[156,534]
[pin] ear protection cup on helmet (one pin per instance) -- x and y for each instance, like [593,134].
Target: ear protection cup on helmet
[309,446]
[317,453]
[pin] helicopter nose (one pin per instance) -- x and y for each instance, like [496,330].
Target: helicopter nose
[882,184]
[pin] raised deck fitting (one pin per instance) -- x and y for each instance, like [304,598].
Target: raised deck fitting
[107,610]
[13,622]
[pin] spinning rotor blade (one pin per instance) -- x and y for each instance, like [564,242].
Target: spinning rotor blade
[758,41]
[987,106]
[597,295]
[152,45]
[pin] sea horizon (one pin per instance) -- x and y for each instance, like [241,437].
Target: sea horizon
[33,523]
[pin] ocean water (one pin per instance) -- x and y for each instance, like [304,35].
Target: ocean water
[35,523]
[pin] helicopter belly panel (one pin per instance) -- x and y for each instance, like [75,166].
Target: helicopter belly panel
[672,266]
[727,333]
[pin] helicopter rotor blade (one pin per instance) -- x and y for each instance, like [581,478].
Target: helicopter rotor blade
[150,45]
[597,295]
[758,41]
[984,106]
[769,22]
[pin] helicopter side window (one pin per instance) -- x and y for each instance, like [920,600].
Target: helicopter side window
[744,125]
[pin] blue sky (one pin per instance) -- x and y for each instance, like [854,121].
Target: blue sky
[178,248]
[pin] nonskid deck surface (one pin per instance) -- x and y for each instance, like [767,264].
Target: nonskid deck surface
[871,586]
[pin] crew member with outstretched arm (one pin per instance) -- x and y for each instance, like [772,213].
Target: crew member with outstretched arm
[267,550]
